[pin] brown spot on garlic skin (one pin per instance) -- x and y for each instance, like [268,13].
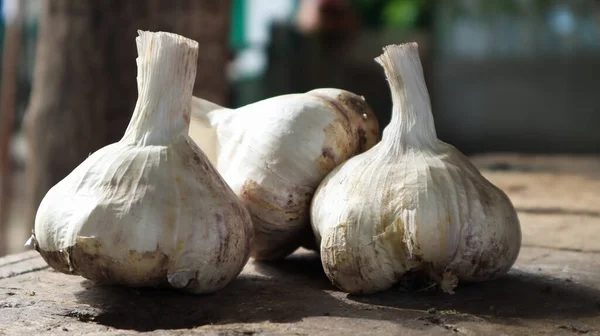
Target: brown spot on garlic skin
[356,110]
[353,131]
[362,140]
[326,162]
[328,153]
[278,216]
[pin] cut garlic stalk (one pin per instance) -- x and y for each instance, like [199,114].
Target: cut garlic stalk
[275,152]
[411,202]
[149,210]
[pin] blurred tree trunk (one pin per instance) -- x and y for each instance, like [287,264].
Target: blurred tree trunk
[84,87]
[8,102]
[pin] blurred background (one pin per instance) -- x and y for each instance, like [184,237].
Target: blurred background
[518,76]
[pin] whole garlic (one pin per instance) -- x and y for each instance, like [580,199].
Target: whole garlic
[149,210]
[411,202]
[275,152]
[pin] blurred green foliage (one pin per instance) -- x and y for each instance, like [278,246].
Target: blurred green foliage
[404,14]
[495,7]
[417,14]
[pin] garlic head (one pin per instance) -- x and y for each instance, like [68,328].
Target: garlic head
[275,152]
[149,210]
[412,202]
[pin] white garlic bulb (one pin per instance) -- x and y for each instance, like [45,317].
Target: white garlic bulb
[149,210]
[274,153]
[412,202]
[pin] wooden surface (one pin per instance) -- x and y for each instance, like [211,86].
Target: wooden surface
[554,288]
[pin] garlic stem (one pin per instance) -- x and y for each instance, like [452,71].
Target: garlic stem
[166,75]
[412,121]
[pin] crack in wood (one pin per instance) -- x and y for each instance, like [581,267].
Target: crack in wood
[10,288]
[567,249]
[559,211]
[18,261]
[14,274]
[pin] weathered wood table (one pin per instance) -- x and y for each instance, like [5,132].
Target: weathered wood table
[554,288]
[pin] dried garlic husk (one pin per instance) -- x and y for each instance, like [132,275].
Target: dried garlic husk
[275,152]
[411,202]
[149,210]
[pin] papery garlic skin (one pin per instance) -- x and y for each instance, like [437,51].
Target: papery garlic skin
[149,210]
[411,202]
[275,152]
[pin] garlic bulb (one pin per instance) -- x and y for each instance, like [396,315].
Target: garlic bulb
[275,152]
[412,202]
[149,210]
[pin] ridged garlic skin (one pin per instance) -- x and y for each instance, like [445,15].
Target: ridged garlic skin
[149,210]
[411,202]
[275,152]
